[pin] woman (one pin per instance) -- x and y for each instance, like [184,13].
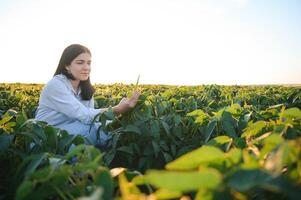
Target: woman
[67,101]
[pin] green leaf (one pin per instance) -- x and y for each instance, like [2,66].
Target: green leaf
[32,136]
[223,142]
[156,148]
[5,119]
[52,137]
[197,112]
[173,150]
[228,124]
[167,157]
[24,189]
[177,120]
[29,165]
[204,194]
[148,150]
[5,141]
[244,180]
[270,143]
[139,180]
[164,145]
[127,188]
[254,129]
[75,151]
[86,166]
[165,127]
[56,162]
[285,186]
[166,194]
[234,109]
[96,195]
[184,150]
[104,179]
[200,116]
[184,181]
[155,129]
[35,161]
[109,156]
[284,156]
[126,149]
[240,142]
[233,157]
[220,140]
[21,119]
[143,161]
[209,129]
[66,141]
[194,158]
[109,114]
[291,114]
[132,129]
[43,174]
[10,124]
[39,131]
[78,140]
[218,115]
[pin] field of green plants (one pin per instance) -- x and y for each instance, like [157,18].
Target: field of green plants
[196,142]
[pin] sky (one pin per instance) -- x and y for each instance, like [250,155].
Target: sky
[175,42]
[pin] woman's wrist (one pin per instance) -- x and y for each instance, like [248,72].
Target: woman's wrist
[116,110]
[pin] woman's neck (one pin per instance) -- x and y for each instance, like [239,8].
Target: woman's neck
[75,85]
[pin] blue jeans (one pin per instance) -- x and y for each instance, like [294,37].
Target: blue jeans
[88,131]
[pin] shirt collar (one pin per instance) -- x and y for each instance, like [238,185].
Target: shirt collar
[68,84]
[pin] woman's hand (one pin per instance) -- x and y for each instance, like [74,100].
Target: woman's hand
[126,104]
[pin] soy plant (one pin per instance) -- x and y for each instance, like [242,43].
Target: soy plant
[78,173]
[144,138]
[27,145]
[209,173]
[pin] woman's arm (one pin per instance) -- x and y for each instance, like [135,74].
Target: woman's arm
[58,97]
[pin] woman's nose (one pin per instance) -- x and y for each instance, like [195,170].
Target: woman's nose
[86,66]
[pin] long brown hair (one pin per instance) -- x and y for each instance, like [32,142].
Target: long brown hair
[69,54]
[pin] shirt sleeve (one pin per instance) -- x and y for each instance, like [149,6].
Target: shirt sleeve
[61,99]
[91,103]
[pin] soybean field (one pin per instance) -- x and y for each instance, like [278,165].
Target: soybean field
[179,142]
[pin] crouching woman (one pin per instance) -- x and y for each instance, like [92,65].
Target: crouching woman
[66,101]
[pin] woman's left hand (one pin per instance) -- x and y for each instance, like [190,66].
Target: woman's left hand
[127,104]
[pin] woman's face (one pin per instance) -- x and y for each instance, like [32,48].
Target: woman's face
[80,67]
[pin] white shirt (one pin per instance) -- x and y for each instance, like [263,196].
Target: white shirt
[59,104]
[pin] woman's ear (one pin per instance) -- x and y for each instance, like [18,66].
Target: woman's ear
[67,68]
